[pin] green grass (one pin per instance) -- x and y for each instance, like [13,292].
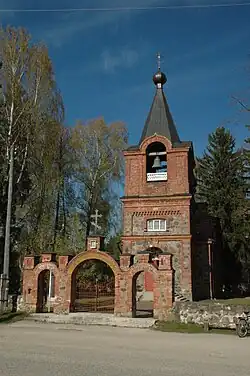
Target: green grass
[235,301]
[9,317]
[172,326]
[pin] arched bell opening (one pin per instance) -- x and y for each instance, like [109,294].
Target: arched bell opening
[156,162]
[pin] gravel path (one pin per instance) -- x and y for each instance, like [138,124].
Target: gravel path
[30,349]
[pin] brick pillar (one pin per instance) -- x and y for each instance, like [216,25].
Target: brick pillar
[29,287]
[63,302]
[63,261]
[123,306]
[142,258]
[165,262]
[163,292]
[125,261]
[186,271]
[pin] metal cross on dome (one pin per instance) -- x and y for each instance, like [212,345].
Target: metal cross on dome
[159,60]
[95,217]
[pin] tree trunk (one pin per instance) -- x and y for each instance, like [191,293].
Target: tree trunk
[56,218]
[64,210]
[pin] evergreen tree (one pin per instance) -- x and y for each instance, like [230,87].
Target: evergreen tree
[221,185]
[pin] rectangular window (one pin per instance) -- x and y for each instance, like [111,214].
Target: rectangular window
[150,226]
[156,225]
[163,225]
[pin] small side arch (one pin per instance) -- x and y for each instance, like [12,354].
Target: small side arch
[142,305]
[46,266]
[139,268]
[42,281]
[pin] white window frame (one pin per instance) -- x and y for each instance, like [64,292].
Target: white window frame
[156,225]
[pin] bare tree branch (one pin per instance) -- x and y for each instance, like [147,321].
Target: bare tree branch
[241,103]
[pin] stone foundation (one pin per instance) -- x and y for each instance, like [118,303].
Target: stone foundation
[216,315]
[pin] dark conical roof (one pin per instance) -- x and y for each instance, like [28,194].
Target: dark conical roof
[159,120]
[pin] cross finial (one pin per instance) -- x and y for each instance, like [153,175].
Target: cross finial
[95,217]
[159,60]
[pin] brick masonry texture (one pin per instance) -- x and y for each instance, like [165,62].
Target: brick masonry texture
[135,171]
[125,278]
[182,268]
[169,200]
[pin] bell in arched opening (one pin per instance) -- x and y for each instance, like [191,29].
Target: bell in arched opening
[157,162]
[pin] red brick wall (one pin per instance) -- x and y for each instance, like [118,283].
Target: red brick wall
[135,171]
[31,277]
[141,203]
[124,279]
[148,281]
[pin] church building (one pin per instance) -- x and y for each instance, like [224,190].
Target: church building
[159,191]
[169,241]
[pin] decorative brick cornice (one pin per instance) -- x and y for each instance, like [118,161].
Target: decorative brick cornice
[156,213]
[187,197]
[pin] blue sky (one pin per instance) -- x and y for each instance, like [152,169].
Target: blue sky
[104,61]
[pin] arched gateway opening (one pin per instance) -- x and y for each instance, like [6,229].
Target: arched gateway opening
[45,291]
[93,287]
[143,299]
[144,284]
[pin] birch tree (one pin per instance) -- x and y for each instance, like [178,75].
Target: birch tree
[29,91]
[98,167]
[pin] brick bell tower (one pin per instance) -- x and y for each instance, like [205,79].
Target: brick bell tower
[159,184]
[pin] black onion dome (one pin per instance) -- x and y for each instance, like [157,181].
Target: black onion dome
[159,78]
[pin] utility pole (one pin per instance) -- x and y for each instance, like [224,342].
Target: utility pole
[6,263]
[4,280]
[210,262]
